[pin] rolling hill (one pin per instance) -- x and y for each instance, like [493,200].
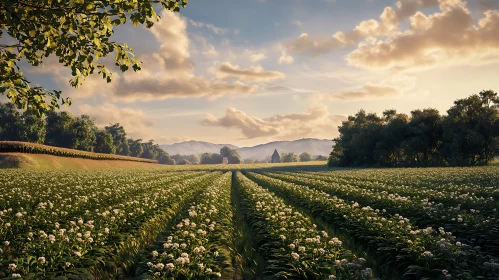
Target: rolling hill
[259,152]
[194,147]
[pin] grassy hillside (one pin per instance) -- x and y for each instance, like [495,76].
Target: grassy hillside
[38,161]
[21,160]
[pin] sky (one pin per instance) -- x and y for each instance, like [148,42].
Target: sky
[254,71]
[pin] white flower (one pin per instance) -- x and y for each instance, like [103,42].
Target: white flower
[160,266]
[19,214]
[295,256]
[68,264]
[427,254]
[155,254]
[12,266]
[6,243]
[41,260]
[78,254]
[170,266]
[16,275]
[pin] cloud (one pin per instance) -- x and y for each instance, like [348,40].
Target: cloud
[134,121]
[215,29]
[257,57]
[369,91]
[297,23]
[390,88]
[450,36]
[387,25]
[167,73]
[316,122]
[227,70]
[157,88]
[485,5]
[285,59]
[210,52]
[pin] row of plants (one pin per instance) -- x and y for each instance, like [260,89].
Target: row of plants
[292,245]
[477,180]
[65,238]
[461,196]
[199,245]
[34,148]
[394,242]
[470,228]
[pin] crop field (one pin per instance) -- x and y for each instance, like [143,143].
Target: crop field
[256,222]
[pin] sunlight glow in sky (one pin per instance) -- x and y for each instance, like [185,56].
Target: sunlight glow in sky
[254,71]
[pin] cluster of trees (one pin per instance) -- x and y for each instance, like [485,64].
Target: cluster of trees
[62,129]
[186,159]
[303,157]
[214,158]
[467,135]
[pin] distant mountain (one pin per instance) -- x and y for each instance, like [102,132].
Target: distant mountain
[195,147]
[260,152]
[314,146]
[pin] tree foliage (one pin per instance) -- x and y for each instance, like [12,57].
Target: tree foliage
[211,158]
[231,154]
[186,159]
[321,158]
[467,135]
[62,129]
[305,156]
[290,157]
[77,32]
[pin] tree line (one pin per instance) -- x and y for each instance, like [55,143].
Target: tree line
[303,157]
[467,135]
[213,158]
[62,129]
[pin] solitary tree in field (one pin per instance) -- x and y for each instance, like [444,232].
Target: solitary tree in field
[77,32]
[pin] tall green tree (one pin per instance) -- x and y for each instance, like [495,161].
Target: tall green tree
[149,150]
[10,122]
[135,147]
[33,127]
[59,127]
[77,32]
[104,142]
[470,136]
[119,139]
[82,132]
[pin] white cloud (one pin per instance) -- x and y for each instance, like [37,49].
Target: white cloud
[285,58]
[228,70]
[135,122]
[257,57]
[316,122]
[168,73]
[448,37]
[387,25]
[215,29]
